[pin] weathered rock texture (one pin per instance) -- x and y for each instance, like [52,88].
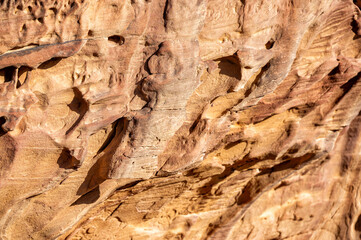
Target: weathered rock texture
[180,119]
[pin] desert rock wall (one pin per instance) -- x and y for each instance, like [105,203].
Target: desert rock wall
[180,119]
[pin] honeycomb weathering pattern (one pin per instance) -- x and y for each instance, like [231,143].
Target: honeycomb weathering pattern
[180,119]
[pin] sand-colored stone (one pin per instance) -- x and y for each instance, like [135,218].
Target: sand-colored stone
[180,119]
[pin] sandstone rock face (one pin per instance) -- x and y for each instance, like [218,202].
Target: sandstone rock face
[180,119]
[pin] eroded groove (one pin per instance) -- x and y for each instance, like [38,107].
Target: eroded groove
[250,194]
[347,87]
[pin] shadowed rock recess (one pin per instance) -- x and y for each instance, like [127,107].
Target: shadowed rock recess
[180,119]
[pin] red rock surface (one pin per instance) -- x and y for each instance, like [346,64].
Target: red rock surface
[180,119]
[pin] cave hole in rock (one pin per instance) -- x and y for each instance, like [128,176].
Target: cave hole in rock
[229,66]
[2,122]
[117,39]
[7,74]
[73,5]
[40,20]
[19,7]
[245,197]
[30,9]
[54,10]
[67,161]
[90,33]
[270,44]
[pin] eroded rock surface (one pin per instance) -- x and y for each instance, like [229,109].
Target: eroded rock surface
[180,119]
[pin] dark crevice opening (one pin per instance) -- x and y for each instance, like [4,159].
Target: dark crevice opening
[357,3]
[2,122]
[194,125]
[54,10]
[89,197]
[346,87]
[335,71]
[7,73]
[19,7]
[165,14]
[78,105]
[49,64]
[257,80]
[355,27]
[23,74]
[117,127]
[98,173]
[229,66]
[67,161]
[41,20]
[270,44]
[232,144]
[116,39]
[73,5]
[358,224]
